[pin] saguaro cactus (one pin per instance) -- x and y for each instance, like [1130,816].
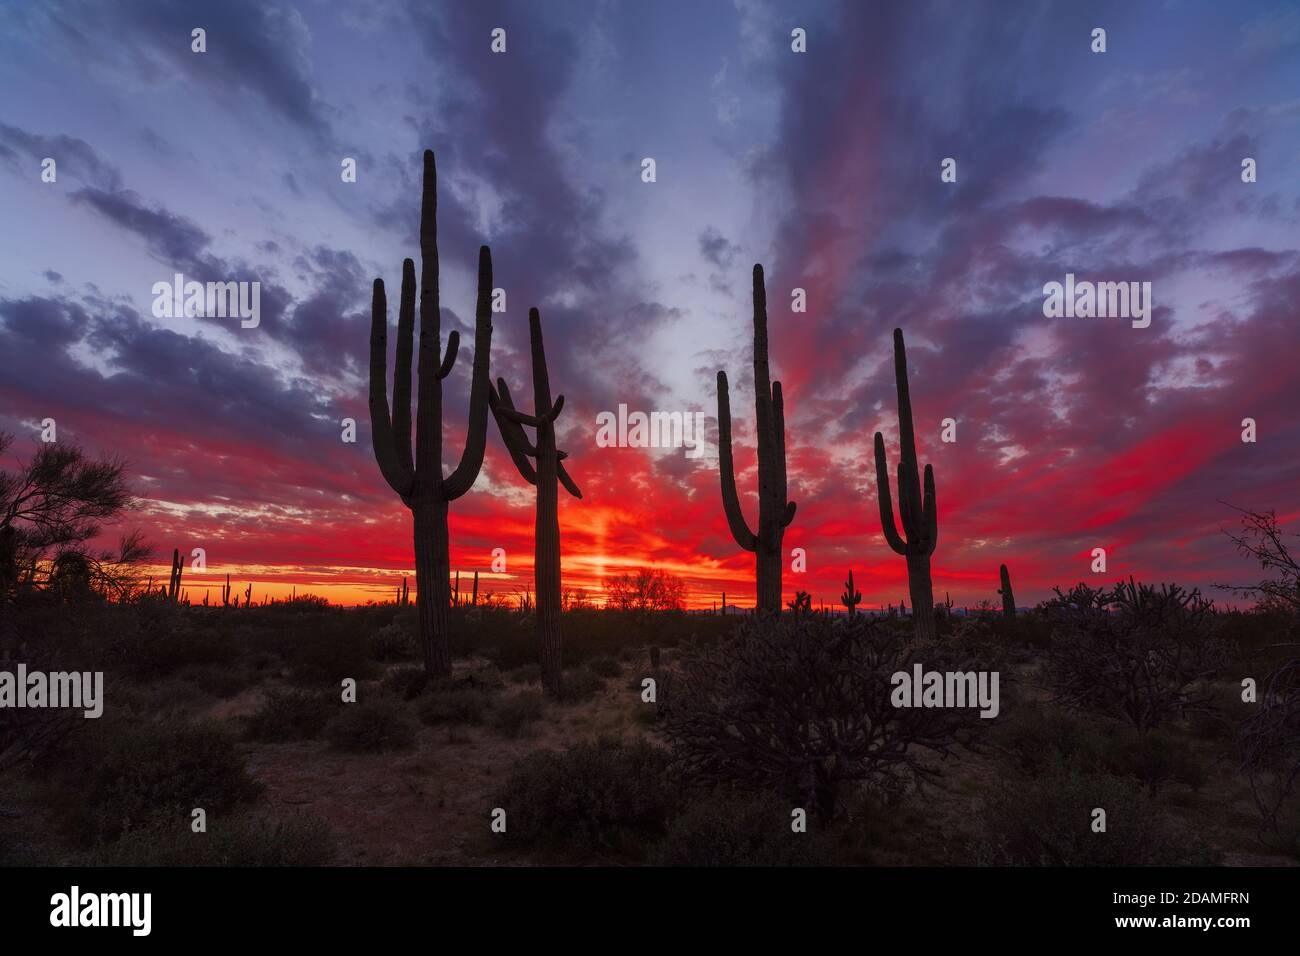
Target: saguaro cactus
[774,512]
[919,518]
[548,471]
[419,482]
[851,598]
[174,582]
[1008,599]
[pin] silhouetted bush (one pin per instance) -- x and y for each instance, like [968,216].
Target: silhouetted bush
[293,715]
[407,682]
[326,648]
[1136,653]
[455,705]
[802,707]
[605,667]
[373,725]
[608,795]
[581,683]
[230,841]
[1047,821]
[1044,738]
[394,642]
[150,770]
[1269,746]
[514,714]
[729,829]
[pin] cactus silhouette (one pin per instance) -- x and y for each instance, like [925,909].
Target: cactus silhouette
[774,512]
[919,518]
[548,471]
[800,604]
[419,482]
[174,582]
[851,598]
[1008,599]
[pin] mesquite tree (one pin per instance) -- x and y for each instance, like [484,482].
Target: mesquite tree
[774,512]
[419,482]
[546,475]
[919,517]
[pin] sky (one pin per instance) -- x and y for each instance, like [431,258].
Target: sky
[1072,433]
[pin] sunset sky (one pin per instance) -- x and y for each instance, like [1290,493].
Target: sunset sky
[1073,433]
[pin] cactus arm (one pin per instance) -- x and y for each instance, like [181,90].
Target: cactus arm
[534,421]
[745,538]
[886,502]
[778,422]
[428,418]
[568,482]
[511,433]
[906,434]
[449,357]
[763,393]
[471,459]
[399,478]
[930,515]
[402,368]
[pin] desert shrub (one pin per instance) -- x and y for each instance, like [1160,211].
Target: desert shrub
[1153,757]
[1269,746]
[374,725]
[735,829]
[1047,821]
[1043,738]
[407,682]
[607,795]
[802,707]
[581,683]
[605,667]
[219,681]
[153,637]
[325,648]
[230,841]
[526,674]
[292,715]
[1040,736]
[455,705]
[394,642]
[515,713]
[1136,653]
[145,770]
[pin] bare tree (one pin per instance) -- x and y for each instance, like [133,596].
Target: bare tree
[646,589]
[1260,539]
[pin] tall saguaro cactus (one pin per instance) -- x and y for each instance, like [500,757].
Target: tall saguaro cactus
[546,475]
[919,517]
[774,512]
[1008,598]
[419,481]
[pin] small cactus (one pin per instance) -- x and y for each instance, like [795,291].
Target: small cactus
[1008,598]
[851,598]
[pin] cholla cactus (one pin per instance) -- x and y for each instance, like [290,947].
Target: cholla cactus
[774,512]
[919,517]
[419,480]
